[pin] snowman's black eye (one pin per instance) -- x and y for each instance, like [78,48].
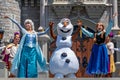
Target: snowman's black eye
[67,22]
[64,54]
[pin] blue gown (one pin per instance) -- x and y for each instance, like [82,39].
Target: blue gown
[98,62]
[28,61]
[28,56]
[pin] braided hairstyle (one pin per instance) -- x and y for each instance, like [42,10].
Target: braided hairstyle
[103,32]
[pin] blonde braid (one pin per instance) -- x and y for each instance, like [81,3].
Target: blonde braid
[95,38]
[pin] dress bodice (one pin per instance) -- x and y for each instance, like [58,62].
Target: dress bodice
[100,40]
[30,40]
[64,41]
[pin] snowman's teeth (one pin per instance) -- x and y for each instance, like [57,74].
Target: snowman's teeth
[65,31]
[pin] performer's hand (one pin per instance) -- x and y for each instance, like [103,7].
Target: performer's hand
[7,51]
[51,24]
[79,26]
[115,14]
[85,27]
[6,17]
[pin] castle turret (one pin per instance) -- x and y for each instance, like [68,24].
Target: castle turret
[11,9]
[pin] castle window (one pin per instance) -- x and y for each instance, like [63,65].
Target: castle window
[23,2]
[26,2]
[29,2]
[32,3]
[38,2]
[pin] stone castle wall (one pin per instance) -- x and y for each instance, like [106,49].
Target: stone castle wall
[11,9]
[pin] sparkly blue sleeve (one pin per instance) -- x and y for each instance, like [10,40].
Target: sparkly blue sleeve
[41,33]
[108,29]
[87,33]
[19,26]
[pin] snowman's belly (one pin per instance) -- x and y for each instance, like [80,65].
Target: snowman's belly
[63,41]
[59,64]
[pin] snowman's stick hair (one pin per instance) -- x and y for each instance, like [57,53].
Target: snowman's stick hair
[65,19]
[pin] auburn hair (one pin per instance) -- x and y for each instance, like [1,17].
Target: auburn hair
[101,25]
[79,21]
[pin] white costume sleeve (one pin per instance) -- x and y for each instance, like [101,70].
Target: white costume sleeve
[13,51]
[2,47]
[110,47]
[117,49]
[7,51]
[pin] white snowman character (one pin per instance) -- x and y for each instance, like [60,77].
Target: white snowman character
[63,61]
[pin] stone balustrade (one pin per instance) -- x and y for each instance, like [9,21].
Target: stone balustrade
[117,58]
[79,1]
[3,70]
[117,38]
[95,1]
[43,42]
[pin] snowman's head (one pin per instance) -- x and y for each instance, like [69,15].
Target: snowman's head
[65,28]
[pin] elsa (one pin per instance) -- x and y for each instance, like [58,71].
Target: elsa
[29,53]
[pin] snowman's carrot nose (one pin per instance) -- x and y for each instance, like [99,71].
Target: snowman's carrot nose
[64,26]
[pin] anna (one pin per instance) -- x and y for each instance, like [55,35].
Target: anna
[98,63]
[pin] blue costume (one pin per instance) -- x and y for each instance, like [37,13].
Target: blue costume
[98,63]
[28,55]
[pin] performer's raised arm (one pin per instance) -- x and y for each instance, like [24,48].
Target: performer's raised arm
[75,35]
[2,47]
[110,25]
[44,32]
[87,33]
[108,29]
[14,21]
[51,30]
[117,49]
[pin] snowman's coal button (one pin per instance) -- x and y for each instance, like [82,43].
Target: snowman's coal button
[67,61]
[64,54]
[63,38]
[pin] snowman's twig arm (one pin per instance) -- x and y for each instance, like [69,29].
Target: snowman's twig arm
[74,36]
[52,33]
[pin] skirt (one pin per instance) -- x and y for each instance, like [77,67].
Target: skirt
[111,66]
[98,62]
[28,63]
[5,58]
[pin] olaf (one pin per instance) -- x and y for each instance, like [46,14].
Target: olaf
[63,62]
